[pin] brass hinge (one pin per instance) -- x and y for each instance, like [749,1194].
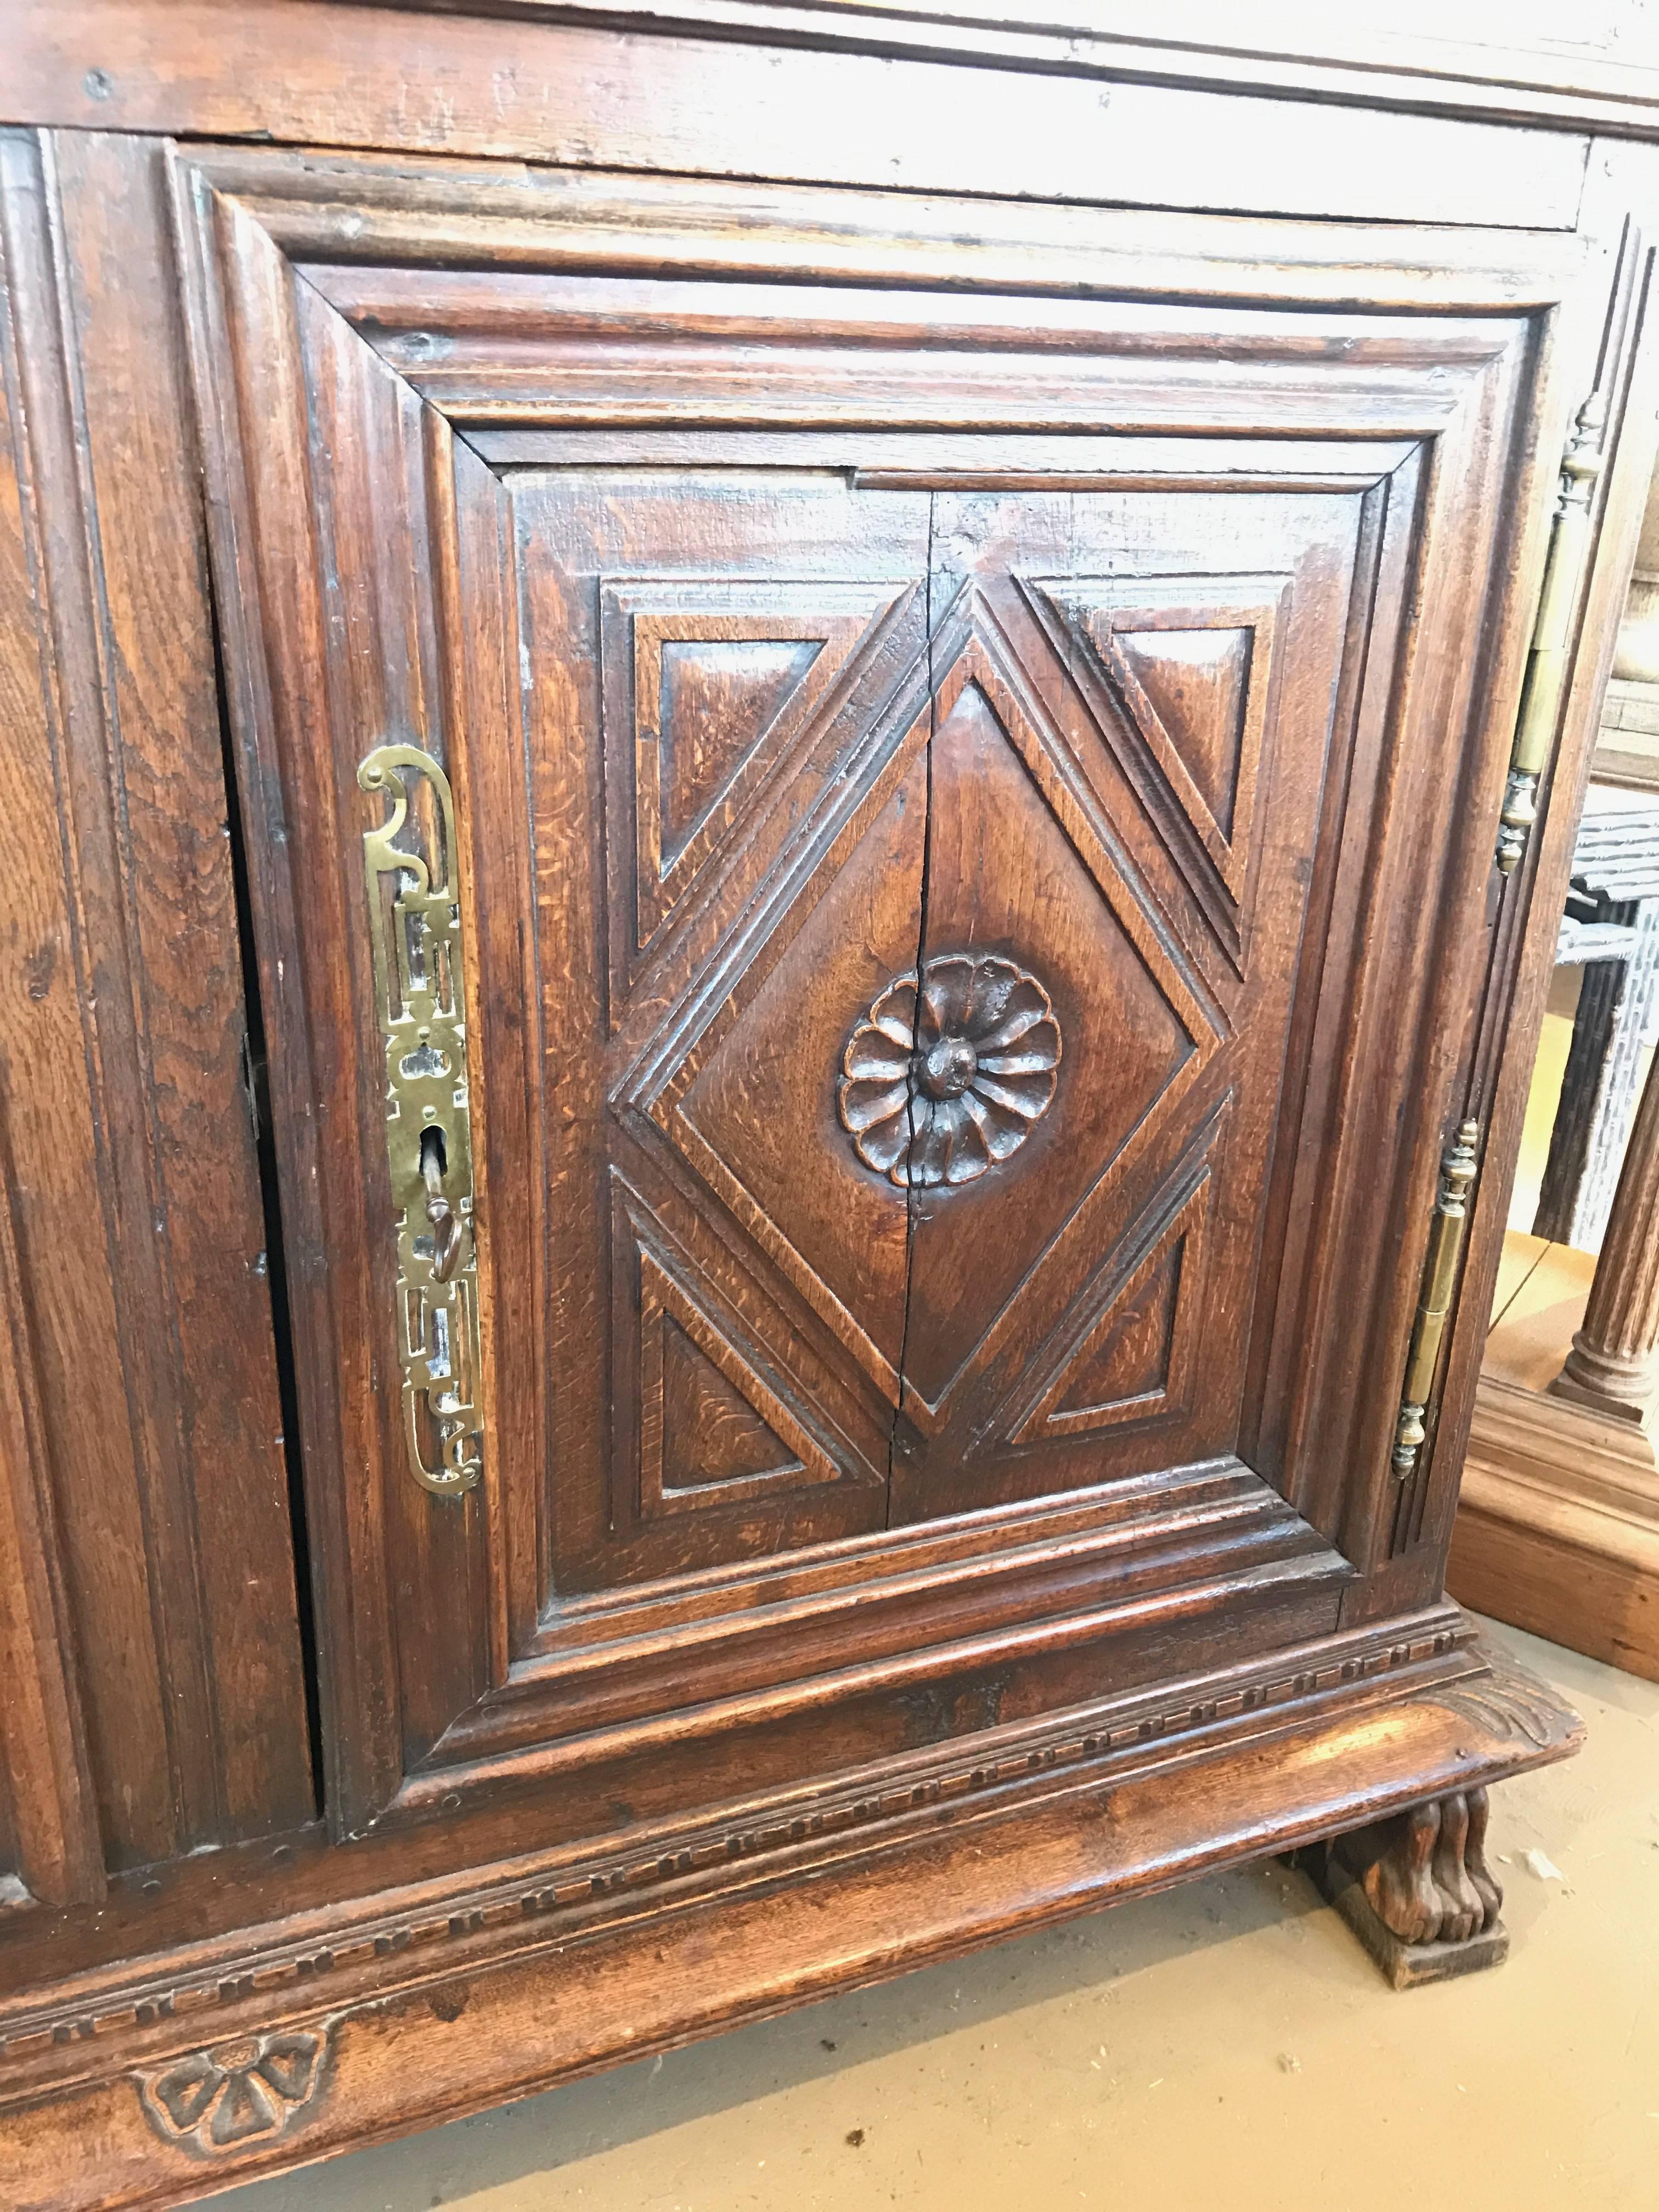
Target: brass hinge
[414,936]
[1451,1214]
[1547,662]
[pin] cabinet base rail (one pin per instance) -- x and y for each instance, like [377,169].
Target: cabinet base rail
[252,2053]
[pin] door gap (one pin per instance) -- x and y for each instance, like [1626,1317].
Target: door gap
[256,1075]
[910,1199]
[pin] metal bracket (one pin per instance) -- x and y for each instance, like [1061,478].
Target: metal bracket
[1547,662]
[1451,1211]
[415,932]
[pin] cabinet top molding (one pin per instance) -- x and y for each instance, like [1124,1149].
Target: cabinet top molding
[735,90]
[1608,81]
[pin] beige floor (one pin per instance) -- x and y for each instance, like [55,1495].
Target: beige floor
[1225,2047]
[1543,1289]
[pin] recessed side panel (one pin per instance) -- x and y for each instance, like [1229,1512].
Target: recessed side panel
[155,1698]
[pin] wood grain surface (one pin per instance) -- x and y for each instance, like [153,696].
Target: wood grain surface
[973,604]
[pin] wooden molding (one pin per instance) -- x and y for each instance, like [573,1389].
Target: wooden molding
[1358,57]
[1557,1529]
[637,1742]
[1354,63]
[301,2038]
[431,310]
[944,114]
[130,1162]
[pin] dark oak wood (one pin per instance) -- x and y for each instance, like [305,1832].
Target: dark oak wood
[1467,69]
[976,720]
[1418,1890]
[776,1224]
[548,1969]
[314,73]
[1470,66]
[131,1172]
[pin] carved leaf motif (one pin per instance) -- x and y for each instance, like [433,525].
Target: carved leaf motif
[186,2093]
[236,2093]
[1508,1707]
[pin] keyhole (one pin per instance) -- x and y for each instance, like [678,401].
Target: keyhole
[433,1153]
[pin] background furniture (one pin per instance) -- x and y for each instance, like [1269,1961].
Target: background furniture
[1558,1526]
[782,832]
[1611,929]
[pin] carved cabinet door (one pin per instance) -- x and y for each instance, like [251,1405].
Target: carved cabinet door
[916,1085]
[869,934]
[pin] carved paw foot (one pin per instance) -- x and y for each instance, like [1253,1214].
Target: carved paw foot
[1430,1882]
[1418,1890]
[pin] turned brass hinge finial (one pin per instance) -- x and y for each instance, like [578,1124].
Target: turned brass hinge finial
[1451,1211]
[1547,662]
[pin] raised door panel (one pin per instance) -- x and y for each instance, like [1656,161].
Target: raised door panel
[1145,874]
[728,810]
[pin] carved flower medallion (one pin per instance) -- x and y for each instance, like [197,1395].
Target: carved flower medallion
[939,1083]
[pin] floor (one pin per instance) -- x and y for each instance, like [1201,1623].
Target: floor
[1227,2044]
[1543,1289]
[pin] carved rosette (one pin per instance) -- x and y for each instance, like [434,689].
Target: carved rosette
[939,1083]
[236,2093]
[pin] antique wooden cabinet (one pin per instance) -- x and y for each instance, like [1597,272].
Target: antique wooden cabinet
[778,787]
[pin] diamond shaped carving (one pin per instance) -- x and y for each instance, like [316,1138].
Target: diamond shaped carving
[709,683]
[1059,900]
[716,1428]
[717,699]
[750,1100]
[1186,663]
[1195,682]
[1129,1352]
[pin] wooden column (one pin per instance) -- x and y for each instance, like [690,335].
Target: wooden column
[1614,1366]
